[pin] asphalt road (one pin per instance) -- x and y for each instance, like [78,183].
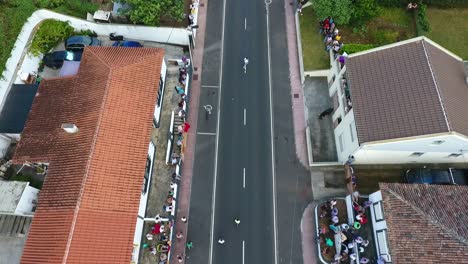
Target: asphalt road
[246,146]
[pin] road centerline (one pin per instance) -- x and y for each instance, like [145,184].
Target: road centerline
[243,251]
[243,179]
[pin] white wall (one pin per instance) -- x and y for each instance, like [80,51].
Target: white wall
[346,130]
[177,36]
[4,144]
[157,109]
[142,207]
[379,224]
[25,205]
[400,152]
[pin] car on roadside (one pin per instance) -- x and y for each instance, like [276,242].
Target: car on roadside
[437,176]
[55,59]
[127,43]
[80,42]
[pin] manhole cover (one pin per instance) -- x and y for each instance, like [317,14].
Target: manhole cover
[296,95]
[195,77]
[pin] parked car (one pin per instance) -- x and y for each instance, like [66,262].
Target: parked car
[437,176]
[55,59]
[80,42]
[127,43]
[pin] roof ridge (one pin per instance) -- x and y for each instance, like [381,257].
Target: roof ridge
[428,216]
[88,163]
[91,50]
[436,84]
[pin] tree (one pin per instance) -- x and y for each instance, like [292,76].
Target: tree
[347,11]
[364,10]
[149,12]
[340,10]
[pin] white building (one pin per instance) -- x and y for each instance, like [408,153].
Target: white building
[400,103]
[18,198]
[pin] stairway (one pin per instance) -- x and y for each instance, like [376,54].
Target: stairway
[14,225]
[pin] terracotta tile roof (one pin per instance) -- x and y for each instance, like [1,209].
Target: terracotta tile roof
[426,223]
[406,90]
[89,201]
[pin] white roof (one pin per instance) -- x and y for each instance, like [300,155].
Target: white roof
[10,195]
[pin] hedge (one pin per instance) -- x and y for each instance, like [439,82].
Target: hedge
[353,48]
[422,24]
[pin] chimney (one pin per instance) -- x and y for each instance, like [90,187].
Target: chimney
[70,128]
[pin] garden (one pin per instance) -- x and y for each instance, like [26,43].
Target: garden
[365,24]
[14,13]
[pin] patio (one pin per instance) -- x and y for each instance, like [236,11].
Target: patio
[341,237]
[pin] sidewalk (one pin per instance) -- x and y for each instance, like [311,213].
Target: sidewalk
[297,93]
[178,246]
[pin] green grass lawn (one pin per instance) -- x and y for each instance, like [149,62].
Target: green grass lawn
[393,24]
[449,28]
[314,55]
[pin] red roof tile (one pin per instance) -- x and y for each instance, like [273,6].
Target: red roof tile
[89,201]
[426,223]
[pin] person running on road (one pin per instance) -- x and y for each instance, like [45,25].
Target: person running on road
[237,221]
[221,241]
[189,245]
[246,61]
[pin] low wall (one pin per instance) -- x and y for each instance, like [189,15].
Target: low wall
[177,36]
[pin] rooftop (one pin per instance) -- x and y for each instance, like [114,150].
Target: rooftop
[17,105]
[426,223]
[10,195]
[407,89]
[89,201]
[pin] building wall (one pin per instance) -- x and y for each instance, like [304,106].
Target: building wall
[346,137]
[4,144]
[400,152]
[159,102]
[25,205]
[143,204]
[379,226]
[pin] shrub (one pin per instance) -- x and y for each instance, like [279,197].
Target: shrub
[49,34]
[149,12]
[422,24]
[50,4]
[353,48]
[383,37]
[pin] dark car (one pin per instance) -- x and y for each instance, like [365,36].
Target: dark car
[436,176]
[127,43]
[80,42]
[55,59]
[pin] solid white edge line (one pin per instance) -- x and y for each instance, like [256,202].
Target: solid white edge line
[243,179]
[245,116]
[213,203]
[272,136]
[243,251]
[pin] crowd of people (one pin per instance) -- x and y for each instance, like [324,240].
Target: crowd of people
[331,35]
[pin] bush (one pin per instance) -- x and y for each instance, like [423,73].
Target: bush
[383,37]
[77,8]
[49,34]
[27,178]
[353,48]
[149,12]
[422,24]
[50,4]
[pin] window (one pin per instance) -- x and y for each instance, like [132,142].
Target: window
[454,155]
[382,243]
[147,175]
[341,143]
[378,211]
[161,87]
[352,131]
[437,142]
[417,154]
